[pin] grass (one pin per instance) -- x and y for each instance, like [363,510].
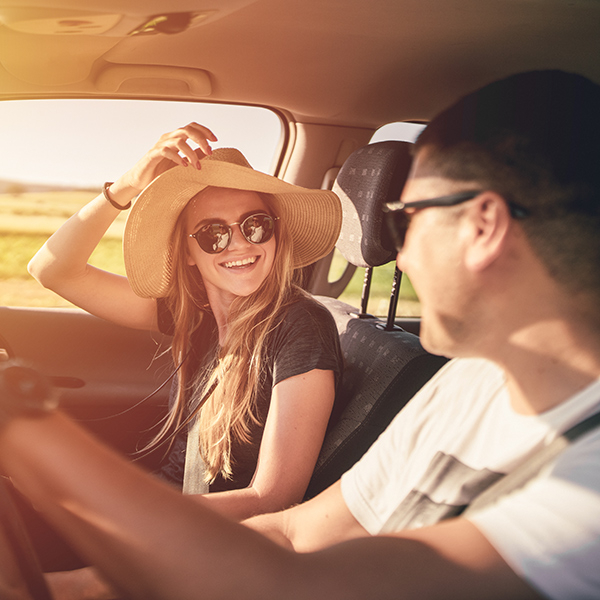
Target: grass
[26,222]
[45,212]
[381,286]
[28,219]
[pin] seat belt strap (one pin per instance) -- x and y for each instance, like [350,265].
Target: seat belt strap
[531,467]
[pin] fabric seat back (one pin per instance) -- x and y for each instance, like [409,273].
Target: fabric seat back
[383,369]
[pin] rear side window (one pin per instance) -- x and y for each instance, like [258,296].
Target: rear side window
[405,132]
[56,154]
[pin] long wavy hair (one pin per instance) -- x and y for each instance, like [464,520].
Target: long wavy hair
[223,394]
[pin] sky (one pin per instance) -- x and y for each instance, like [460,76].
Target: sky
[108,137]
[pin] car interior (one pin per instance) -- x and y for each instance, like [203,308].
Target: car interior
[339,77]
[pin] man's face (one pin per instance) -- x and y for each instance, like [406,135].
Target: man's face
[432,257]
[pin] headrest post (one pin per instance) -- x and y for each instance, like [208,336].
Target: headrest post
[366,290]
[394,299]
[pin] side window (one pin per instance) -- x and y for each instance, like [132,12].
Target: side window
[381,284]
[405,132]
[56,154]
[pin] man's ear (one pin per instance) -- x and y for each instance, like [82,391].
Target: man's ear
[489,225]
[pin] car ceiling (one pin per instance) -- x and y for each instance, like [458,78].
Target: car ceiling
[347,62]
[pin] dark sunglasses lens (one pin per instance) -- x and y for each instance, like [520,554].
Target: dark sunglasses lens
[397,224]
[258,229]
[214,238]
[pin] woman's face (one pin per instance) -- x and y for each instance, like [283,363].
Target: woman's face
[240,269]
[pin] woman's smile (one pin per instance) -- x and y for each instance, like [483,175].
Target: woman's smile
[241,263]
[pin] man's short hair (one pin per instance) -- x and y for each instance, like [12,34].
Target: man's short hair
[535,139]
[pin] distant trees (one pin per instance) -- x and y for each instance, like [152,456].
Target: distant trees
[15,188]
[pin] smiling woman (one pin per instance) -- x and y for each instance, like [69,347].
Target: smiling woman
[257,360]
[245,337]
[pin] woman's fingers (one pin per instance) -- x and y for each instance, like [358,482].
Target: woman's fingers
[202,135]
[196,133]
[181,151]
[173,148]
[176,147]
[203,132]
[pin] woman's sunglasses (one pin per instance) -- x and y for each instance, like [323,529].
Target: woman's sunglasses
[397,221]
[216,237]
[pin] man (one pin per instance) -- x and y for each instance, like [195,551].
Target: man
[503,204]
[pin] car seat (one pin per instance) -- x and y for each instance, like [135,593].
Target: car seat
[384,365]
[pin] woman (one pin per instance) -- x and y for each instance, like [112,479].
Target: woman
[210,247]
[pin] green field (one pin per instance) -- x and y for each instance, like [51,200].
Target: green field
[381,286]
[28,219]
[26,222]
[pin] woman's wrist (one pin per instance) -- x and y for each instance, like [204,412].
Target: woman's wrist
[119,195]
[109,198]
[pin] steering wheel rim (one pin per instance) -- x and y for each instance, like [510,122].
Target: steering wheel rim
[22,550]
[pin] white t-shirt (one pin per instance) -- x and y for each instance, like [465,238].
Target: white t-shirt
[458,435]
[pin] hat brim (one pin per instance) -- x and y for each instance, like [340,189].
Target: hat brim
[313,218]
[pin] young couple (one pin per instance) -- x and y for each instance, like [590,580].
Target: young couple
[497,228]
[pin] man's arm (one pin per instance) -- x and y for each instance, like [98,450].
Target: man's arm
[319,523]
[153,543]
[450,560]
[147,539]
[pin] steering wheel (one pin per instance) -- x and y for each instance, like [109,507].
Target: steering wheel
[26,574]
[22,389]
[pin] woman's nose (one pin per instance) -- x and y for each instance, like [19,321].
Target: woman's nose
[237,238]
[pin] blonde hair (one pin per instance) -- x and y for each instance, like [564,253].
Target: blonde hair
[223,394]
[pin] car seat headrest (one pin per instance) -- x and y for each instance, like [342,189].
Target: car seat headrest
[370,177]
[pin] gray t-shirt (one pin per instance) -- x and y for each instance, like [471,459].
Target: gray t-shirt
[305,339]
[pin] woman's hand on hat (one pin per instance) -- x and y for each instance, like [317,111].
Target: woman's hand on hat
[172,149]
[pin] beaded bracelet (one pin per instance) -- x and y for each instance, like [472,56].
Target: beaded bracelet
[105,187]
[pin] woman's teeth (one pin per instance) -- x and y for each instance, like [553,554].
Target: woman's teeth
[240,263]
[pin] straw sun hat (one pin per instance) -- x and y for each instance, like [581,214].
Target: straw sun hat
[313,217]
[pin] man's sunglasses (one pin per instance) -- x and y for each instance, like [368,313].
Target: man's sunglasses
[397,220]
[216,237]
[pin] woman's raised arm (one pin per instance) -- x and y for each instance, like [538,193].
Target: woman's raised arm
[62,263]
